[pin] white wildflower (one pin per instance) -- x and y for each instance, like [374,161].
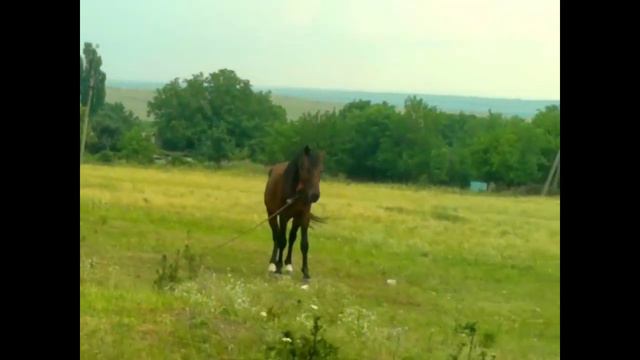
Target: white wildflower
[314,307]
[286,339]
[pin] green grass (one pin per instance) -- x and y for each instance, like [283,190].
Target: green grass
[456,257]
[136,101]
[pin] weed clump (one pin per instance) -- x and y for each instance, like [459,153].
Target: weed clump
[303,348]
[168,275]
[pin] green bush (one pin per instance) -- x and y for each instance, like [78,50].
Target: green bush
[137,147]
[105,156]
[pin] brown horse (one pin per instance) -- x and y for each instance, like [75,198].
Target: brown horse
[298,182]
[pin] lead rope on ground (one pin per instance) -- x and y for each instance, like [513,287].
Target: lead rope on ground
[289,202]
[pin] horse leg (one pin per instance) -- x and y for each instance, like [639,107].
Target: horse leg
[282,243]
[273,223]
[304,247]
[292,240]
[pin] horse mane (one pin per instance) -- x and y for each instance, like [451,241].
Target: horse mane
[291,174]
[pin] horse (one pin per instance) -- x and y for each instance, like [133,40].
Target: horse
[296,183]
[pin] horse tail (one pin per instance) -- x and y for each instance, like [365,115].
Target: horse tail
[317,219]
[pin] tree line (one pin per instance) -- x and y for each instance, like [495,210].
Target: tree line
[218,117]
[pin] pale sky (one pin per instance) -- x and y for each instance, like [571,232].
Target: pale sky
[492,48]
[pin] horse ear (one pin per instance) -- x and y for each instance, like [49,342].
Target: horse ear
[307,151]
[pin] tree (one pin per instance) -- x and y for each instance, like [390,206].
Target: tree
[212,117]
[548,121]
[109,127]
[370,126]
[91,66]
[439,165]
[92,88]
[81,76]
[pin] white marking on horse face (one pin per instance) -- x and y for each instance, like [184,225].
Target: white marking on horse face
[272,267]
[288,268]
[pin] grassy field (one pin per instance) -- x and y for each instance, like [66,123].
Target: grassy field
[297,106]
[136,101]
[455,257]
[133,99]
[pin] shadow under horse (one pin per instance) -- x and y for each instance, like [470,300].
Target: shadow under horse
[296,182]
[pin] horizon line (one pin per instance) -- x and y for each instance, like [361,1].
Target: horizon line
[396,92]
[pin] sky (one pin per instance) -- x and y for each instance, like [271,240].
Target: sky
[488,48]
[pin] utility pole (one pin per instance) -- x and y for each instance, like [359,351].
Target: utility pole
[556,179]
[556,166]
[85,122]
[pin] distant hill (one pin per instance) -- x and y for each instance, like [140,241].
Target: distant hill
[136,101]
[133,99]
[454,104]
[297,106]
[296,101]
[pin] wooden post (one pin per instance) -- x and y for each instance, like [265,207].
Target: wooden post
[556,178]
[545,190]
[85,122]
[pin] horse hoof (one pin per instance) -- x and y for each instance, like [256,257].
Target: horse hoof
[288,268]
[272,267]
